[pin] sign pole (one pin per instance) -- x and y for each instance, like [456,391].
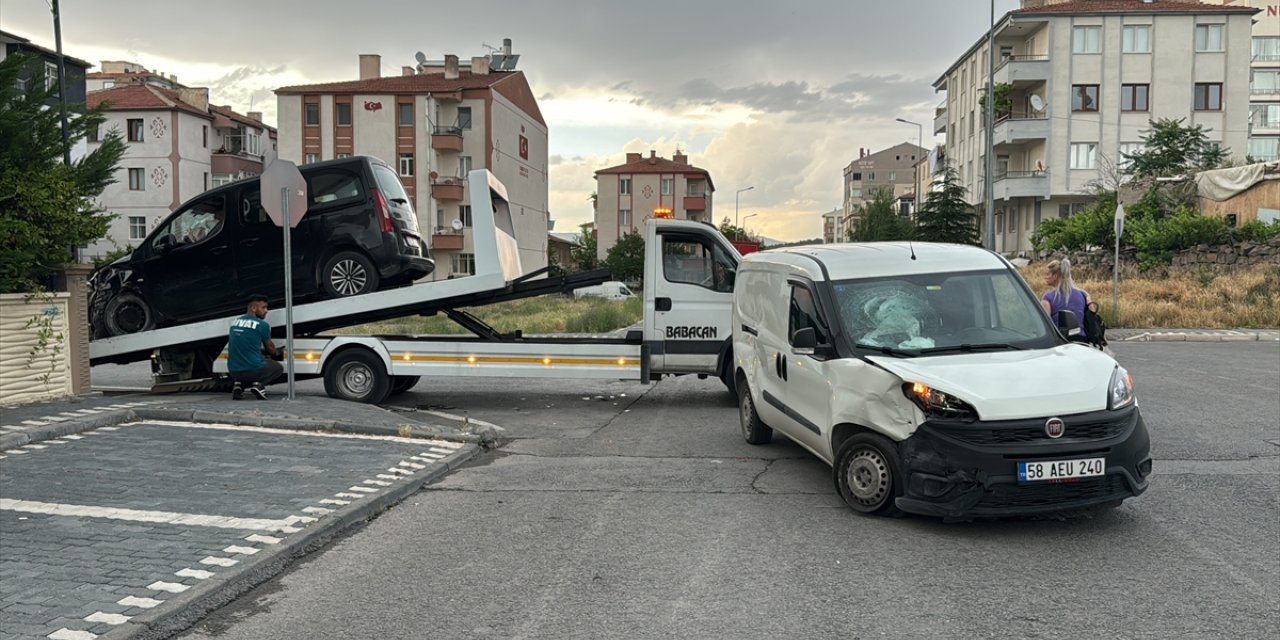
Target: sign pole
[288,289]
[1115,273]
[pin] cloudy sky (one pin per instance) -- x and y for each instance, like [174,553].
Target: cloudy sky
[779,96]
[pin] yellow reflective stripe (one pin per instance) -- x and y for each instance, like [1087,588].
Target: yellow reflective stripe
[545,360]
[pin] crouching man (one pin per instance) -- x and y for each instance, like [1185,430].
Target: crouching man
[249,338]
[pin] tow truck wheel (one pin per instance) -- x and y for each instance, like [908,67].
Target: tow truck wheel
[348,273]
[358,376]
[754,430]
[401,384]
[867,474]
[128,313]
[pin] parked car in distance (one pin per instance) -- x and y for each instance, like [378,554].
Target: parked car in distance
[612,290]
[359,234]
[932,382]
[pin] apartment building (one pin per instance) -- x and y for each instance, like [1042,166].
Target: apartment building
[179,146]
[652,187]
[114,73]
[833,227]
[434,123]
[892,169]
[1264,79]
[1086,77]
[76,69]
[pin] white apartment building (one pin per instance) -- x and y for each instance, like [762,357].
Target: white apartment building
[652,187]
[434,123]
[178,147]
[833,227]
[1087,77]
[1264,81]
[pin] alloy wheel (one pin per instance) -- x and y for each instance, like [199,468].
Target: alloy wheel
[348,277]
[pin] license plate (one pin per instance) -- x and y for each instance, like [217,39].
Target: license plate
[1058,470]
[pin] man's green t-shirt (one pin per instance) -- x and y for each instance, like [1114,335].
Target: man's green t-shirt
[248,334]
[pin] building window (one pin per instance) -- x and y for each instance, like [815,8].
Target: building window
[1084,97]
[310,158]
[206,181]
[1208,37]
[464,214]
[1266,49]
[137,181]
[405,109]
[343,155]
[463,264]
[1084,155]
[1265,82]
[624,219]
[855,176]
[406,164]
[204,136]
[464,166]
[221,179]
[95,134]
[668,186]
[342,111]
[1135,97]
[624,186]
[1264,149]
[137,227]
[464,117]
[51,77]
[1127,149]
[696,188]
[1264,116]
[134,127]
[1136,39]
[1208,96]
[311,114]
[893,176]
[1086,40]
[855,193]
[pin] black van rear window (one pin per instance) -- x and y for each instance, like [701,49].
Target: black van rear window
[334,185]
[390,183]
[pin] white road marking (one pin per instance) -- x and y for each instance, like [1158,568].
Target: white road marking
[337,502]
[450,416]
[317,510]
[34,423]
[447,449]
[198,574]
[263,539]
[246,551]
[35,446]
[67,634]
[344,494]
[69,414]
[403,472]
[421,459]
[308,434]
[135,515]
[141,603]
[85,412]
[412,465]
[17,451]
[170,587]
[387,476]
[363,489]
[55,442]
[109,428]
[109,618]
[380,483]
[297,519]
[74,437]
[219,562]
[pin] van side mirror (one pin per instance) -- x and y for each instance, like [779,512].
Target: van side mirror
[1068,323]
[164,243]
[804,342]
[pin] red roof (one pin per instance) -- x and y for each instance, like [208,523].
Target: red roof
[232,115]
[423,83]
[141,97]
[1134,6]
[657,165]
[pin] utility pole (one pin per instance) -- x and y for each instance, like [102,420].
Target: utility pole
[989,133]
[62,80]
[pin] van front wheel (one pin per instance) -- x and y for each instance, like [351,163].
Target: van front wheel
[868,476]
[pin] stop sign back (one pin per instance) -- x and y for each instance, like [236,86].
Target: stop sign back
[283,174]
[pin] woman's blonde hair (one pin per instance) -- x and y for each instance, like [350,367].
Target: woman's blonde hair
[1062,269]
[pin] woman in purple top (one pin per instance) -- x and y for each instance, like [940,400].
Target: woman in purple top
[1063,293]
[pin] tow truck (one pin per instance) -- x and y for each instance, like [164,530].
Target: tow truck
[688,296]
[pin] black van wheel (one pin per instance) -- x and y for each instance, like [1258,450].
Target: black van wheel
[867,474]
[348,273]
[754,430]
[357,375]
[128,313]
[401,384]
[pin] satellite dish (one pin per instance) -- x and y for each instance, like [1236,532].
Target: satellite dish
[457,224]
[422,57]
[1037,103]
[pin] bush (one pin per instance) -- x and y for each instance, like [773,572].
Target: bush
[1157,239]
[1256,231]
[1091,228]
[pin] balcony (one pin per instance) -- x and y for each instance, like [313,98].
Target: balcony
[695,203]
[447,239]
[447,188]
[1264,93]
[1022,70]
[446,138]
[940,120]
[1020,184]
[1019,129]
[1266,60]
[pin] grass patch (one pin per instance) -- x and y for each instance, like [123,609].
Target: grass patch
[545,314]
[1247,298]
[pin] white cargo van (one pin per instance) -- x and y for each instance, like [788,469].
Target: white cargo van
[932,382]
[612,290]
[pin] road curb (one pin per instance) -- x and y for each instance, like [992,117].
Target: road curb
[181,611]
[1235,336]
[70,427]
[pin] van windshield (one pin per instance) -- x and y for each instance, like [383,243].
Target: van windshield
[944,312]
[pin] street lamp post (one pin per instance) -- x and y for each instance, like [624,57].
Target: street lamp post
[918,126]
[744,221]
[735,203]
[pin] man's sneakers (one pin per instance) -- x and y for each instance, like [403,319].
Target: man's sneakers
[258,391]
[237,392]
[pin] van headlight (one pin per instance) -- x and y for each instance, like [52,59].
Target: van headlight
[1120,391]
[937,404]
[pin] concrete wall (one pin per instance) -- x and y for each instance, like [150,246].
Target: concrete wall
[47,373]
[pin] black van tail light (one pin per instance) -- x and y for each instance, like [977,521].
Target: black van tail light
[384,211]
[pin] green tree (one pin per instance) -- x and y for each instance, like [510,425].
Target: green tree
[584,255]
[554,268]
[733,232]
[625,260]
[880,222]
[944,215]
[46,207]
[1170,149]
[1004,101]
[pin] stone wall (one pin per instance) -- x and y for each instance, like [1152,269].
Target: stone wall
[35,362]
[1224,257]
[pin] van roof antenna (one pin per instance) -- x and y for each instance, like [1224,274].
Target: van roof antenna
[912,248]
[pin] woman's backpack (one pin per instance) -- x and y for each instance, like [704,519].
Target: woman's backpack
[1094,326]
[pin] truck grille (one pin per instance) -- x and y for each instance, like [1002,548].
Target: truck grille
[1021,433]
[1042,495]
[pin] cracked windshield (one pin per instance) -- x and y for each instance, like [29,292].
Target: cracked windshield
[671,319]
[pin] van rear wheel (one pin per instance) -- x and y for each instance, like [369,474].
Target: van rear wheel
[348,273]
[401,384]
[867,474]
[357,375]
[754,430]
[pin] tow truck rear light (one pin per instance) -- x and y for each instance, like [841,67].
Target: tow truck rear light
[384,211]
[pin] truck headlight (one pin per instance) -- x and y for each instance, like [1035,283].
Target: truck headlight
[938,404]
[1120,391]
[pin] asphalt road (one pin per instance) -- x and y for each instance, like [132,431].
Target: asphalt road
[647,516]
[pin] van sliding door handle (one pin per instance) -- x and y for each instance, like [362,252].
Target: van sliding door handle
[750,330]
[662,304]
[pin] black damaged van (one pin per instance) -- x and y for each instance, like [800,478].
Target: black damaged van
[360,234]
